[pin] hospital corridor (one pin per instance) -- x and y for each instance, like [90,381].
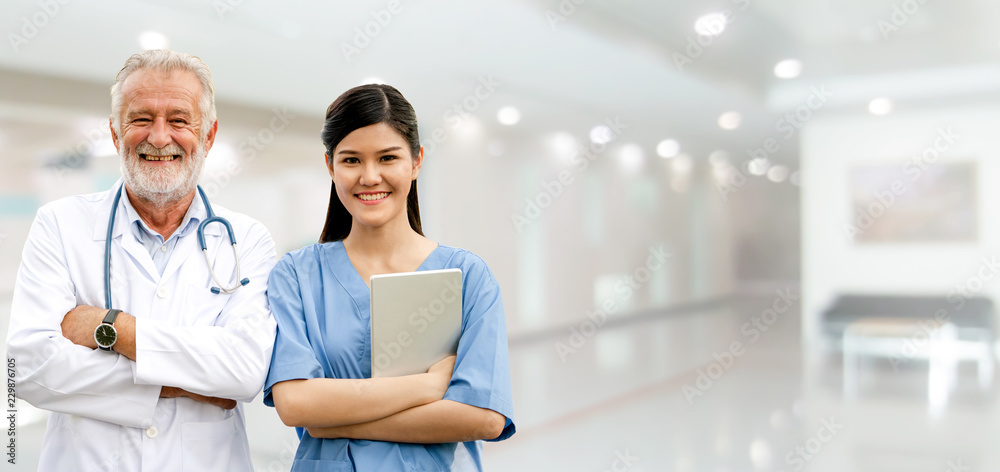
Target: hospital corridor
[727,235]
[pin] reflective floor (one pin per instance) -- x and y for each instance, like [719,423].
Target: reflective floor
[674,392]
[676,406]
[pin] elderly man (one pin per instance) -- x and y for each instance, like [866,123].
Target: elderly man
[154,383]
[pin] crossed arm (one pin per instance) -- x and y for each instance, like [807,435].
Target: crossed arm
[79,324]
[398,409]
[51,332]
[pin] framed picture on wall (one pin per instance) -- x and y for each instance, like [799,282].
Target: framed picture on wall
[914,202]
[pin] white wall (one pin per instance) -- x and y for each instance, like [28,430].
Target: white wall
[832,264]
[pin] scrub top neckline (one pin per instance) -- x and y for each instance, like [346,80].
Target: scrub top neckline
[357,275]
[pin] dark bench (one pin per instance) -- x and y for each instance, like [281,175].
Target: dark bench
[974,320]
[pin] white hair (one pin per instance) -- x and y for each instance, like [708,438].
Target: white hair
[165,60]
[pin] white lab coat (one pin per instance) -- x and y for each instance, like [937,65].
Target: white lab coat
[106,411]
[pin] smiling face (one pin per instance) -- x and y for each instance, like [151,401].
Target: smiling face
[373,168]
[160,142]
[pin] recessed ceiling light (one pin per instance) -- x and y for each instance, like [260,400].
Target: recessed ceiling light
[712,24]
[601,134]
[668,148]
[759,166]
[880,106]
[153,40]
[730,120]
[631,156]
[788,69]
[777,174]
[564,146]
[508,116]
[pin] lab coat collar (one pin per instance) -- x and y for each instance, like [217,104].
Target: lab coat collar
[122,221]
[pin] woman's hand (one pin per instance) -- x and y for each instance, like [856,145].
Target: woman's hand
[440,374]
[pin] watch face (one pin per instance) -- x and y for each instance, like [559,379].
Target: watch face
[105,335]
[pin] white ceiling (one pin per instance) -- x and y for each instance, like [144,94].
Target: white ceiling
[607,58]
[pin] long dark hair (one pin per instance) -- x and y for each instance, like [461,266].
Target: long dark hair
[356,108]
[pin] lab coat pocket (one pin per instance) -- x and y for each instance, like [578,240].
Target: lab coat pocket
[76,443]
[213,446]
[202,307]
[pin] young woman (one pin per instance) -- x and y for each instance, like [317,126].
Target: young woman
[320,378]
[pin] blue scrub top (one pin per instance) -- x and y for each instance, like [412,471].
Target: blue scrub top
[323,311]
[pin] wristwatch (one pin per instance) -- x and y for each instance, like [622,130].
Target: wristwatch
[106,334]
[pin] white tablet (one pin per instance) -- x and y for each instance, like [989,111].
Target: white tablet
[416,320]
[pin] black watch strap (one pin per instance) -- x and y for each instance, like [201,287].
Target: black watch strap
[110,317]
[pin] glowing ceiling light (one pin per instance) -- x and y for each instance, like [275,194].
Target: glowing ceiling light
[788,69]
[880,106]
[601,134]
[153,40]
[712,24]
[508,116]
[668,148]
[730,120]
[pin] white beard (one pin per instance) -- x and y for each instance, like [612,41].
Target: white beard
[162,186]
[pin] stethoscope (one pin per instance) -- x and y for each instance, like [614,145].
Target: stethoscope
[201,240]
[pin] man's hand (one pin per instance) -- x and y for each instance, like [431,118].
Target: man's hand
[174,392]
[79,324]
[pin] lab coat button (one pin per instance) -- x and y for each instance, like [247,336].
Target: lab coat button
[151,432]
[161,292]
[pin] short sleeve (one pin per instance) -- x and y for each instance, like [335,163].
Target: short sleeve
[482,367]
[293,356]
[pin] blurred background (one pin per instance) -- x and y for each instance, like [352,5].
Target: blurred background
[731,235]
